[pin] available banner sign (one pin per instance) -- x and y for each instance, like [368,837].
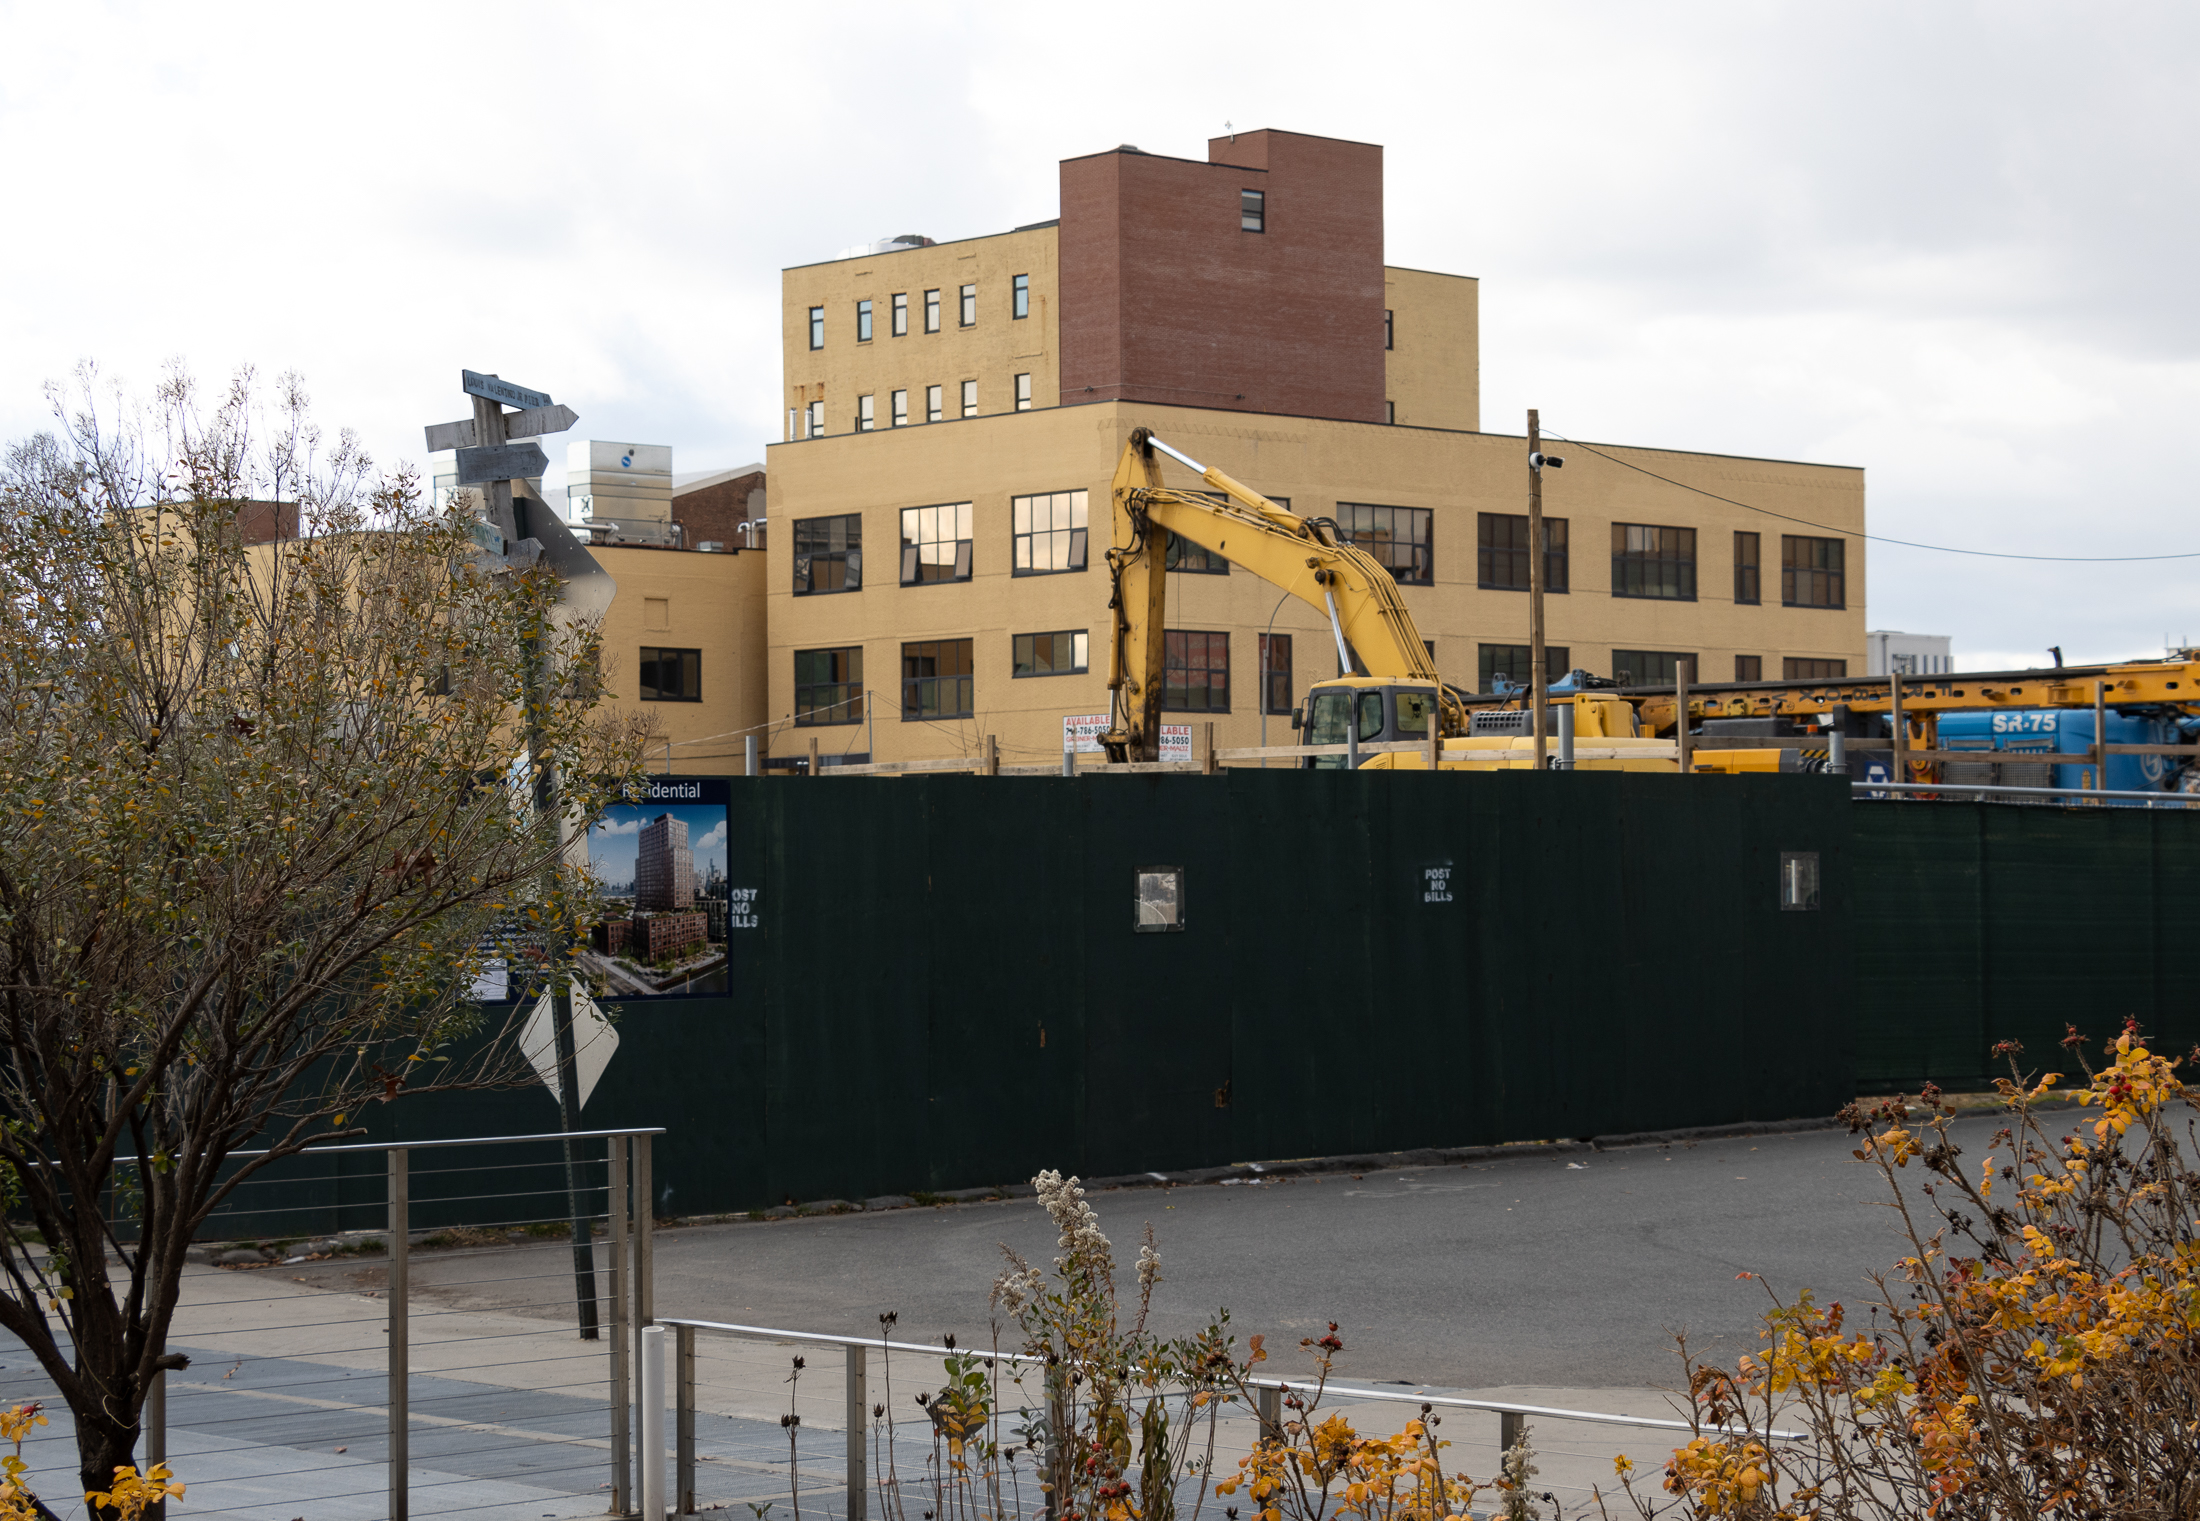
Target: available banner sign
[1081,732]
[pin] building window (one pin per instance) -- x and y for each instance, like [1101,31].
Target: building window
[863,322]
[1648,561]
[1748,587]
[901,314]
[672,675]
[970,398]
[1021,302]
[1501,552]
[828,686]
[1048,532]
[817,327]
[1390,413]
[1275,673]
[1510,661]
[1390,330]
[864,419]
[1184,557]
[936,680]
[931,311]
[828,554]
[1792,669]
[1023,393]
[968,317]
[817,419]
[1195,672]
[1401,538]
[931,403]
[1061,654]
[1811,572]
[901,409]
[1253,210]
[1647,668]
[935,544]
[1749,667]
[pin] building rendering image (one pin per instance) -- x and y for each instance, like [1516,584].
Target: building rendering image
[953,413]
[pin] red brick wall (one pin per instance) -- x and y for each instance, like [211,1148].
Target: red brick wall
[1165,299]
[711,513]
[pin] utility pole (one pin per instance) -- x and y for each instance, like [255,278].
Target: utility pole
[1537,676]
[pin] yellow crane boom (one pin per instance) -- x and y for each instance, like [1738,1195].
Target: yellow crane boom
[1306,557]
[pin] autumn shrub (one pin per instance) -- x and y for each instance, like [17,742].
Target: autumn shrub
[2033,1355]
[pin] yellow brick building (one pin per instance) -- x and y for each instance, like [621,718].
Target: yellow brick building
[931,568]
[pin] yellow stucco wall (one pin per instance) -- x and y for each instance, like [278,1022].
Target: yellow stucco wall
[993,352]
[1433,370]
[681,599]
[1316,463]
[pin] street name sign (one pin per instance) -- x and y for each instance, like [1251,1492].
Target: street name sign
[493,389]
[501,462]
[532,423]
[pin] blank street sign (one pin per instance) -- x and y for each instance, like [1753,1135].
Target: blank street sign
[532,423]
[506,462]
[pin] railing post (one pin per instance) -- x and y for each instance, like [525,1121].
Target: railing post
[156,1434]
[859,1427]
[622,1485]
[652,1340]
[683,1435]
[400,1364]
[1512,1428]
[645,1207]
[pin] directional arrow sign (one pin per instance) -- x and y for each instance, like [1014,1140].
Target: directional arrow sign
[501,390]
[507,462]
[532,423]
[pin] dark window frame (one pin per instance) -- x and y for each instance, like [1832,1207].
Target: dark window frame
[1749,668]
[970,398]
[935,403]
[1023,548]
[1020,298]
[1252,211]
[1023,653]
[1501,553]
[817,328]
[960,683]
[863,321]
[1557,661]
[1179,646]
[814,545]
[1419,567]
[1275,675]
[650,681]
[1023,392]
[866,413]
[931,311]
[898,408]
[913,563]
[1181,557]
[966,306]
[1811,668]
[1749,585]
[1666,661]
[848,685]
[1826,585]
[1646,572]
[898,323]
[1390,330]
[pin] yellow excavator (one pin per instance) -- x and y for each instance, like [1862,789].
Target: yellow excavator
[1390,692]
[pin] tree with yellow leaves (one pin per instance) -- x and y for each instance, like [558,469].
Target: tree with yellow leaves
[2037,1353]
[261,804]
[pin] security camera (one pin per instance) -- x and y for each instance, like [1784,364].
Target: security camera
[1538,461]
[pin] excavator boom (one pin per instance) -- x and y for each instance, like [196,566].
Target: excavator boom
[1306,557]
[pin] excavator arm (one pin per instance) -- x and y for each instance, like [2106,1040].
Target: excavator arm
[1306,557]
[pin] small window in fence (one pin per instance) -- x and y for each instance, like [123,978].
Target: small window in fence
[1160,899]
[1798,879]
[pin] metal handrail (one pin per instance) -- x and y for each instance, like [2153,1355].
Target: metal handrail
[1281,1385]
[2181,799]
[309,1149]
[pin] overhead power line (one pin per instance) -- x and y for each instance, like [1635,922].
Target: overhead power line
[1946,549]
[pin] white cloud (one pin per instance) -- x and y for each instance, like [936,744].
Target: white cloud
[713,838]
[631,826]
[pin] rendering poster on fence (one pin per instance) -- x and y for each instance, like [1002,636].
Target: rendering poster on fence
[669,907]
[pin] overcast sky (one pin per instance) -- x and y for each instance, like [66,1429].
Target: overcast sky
[1952,244]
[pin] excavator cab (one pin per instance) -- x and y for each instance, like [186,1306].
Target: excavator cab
[1369,708]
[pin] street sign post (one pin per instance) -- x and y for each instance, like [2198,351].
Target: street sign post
[529,529]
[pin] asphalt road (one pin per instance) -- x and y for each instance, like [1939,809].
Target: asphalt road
[1519,1272]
